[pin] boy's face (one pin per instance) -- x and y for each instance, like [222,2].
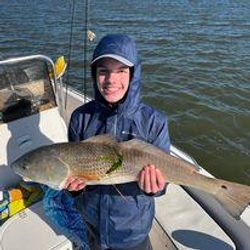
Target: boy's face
[112,79]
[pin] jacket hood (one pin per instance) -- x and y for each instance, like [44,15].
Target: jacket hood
[125,47]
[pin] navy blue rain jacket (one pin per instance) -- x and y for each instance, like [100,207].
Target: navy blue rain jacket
[120,220]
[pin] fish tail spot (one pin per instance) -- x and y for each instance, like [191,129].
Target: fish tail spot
[224,187]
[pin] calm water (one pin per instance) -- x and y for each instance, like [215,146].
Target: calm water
[196,64]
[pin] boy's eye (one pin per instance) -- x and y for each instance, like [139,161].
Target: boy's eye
[106,71]
[103,71]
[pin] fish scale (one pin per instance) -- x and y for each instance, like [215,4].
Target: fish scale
[94,161]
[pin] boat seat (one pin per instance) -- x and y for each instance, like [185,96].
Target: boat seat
[29,230]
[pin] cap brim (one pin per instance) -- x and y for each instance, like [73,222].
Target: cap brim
[116,57]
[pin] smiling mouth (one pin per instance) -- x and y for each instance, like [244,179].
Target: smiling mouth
[109,90]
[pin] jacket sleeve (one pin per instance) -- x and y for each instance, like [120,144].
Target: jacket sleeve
[162,140]
[74,128]
[79,121]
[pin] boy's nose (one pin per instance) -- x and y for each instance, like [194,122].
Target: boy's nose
[112,76]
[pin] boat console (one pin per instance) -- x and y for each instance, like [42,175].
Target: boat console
[25,89]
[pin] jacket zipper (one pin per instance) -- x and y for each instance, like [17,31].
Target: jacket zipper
[115,125]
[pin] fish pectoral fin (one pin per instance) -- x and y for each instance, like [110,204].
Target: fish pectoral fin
[102,139]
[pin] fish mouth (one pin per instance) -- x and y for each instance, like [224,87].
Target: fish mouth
[15,167]
[21,174]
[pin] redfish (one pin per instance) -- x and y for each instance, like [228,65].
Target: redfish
[103,160]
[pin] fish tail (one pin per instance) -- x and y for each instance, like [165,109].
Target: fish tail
[233,196]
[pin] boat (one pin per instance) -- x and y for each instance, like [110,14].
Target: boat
[35,108]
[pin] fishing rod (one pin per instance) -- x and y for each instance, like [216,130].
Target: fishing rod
[70,50]
[85,48]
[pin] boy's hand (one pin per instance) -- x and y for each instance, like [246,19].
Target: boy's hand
[74,184]
[151,179]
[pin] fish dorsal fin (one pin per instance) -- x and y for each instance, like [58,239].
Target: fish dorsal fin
[142,146]
[152,150]
[133,143]
[102,139]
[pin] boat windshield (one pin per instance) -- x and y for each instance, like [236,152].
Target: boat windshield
[25,89]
